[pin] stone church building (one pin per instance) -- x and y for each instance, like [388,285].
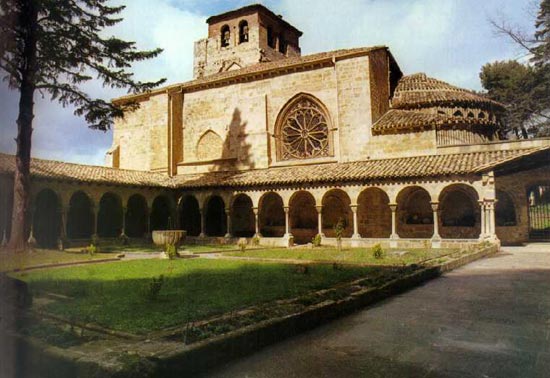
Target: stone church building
[267,142]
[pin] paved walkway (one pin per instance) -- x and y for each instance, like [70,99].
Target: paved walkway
[490,318]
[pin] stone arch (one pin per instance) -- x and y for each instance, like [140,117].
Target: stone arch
[414,213]
[215,217]
[242,216]
[47,218]
[336,208]
[303,217]
[271,215]
[243,31]
[505,210]
[209,146]
[137,216]
[80,218]
[458,113]
[162,214]
[303,129]
[374,213]
[109,216]
[458,212]
[190,215]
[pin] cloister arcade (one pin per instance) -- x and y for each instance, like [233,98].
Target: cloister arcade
[432,211]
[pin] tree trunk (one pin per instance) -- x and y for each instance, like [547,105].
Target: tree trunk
[21,186]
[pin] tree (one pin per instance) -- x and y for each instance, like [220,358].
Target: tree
[526,92]
[54,46]
[524,88]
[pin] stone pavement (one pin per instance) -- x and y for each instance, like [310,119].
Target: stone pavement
[490,318]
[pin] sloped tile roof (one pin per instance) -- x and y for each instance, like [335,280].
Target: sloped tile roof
[419,90]
[381,169]
[56,170]
[396,120]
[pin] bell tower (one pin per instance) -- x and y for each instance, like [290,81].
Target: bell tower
[243,37]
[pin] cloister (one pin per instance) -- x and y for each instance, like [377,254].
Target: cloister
[391,213]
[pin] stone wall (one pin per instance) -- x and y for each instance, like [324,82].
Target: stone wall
[399,145]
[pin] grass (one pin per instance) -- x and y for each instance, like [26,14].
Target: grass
[113,295]
[13,261]
[353,255]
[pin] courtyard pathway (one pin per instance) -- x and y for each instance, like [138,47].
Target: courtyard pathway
[490,318]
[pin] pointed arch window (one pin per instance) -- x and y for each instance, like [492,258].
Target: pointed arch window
[303,130]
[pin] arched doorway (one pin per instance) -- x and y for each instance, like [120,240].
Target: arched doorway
[539,211]
[242,217]
[161,214]
[272,216]
[374,214]
[109,216]
[80,219]
[46,219]
[303,217]
[190,216]
[414,213]
[215,218]
[336,208]
[505,210]
[459,215]
[136,216]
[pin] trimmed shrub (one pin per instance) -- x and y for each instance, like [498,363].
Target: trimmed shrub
[378,252]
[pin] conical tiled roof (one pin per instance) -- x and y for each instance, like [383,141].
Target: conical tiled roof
[419,90]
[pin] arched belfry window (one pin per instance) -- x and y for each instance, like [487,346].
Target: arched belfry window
[243,31]
[303,130]
[225,36]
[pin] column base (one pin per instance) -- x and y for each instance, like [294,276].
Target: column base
[356,236]
[288,239]
[228,236]
[202,235]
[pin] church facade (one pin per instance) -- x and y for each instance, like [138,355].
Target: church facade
[265,142]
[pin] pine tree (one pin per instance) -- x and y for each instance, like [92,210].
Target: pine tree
[54,46]
[541,51]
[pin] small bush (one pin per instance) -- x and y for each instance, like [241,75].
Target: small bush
[92,249]
[171,251]
[255,241]
[316,241]
[95,239]
[152,290]
[242,244]
[378,252]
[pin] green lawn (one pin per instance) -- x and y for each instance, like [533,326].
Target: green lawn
[352,255]
[112,294]
[24,260]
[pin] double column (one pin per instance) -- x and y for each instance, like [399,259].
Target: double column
[488,226]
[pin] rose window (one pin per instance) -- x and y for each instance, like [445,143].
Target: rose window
[304,133]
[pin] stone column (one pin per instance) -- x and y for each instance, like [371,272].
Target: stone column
[148,232]
[319,220]
[435,207]
[94,229]
[491,229]
[124,212]
[256,222]
[203,223]
[228,217]
[483,231]
[287,221]
[355,223]
[393,208]
[63,210]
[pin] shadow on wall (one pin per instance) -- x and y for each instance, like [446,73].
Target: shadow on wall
[235,149]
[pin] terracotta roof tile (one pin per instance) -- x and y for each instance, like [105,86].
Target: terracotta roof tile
[419,90]
[380,169]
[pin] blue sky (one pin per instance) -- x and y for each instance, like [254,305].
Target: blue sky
[447,39]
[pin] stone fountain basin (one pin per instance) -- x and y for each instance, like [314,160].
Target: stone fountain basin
[164,237]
